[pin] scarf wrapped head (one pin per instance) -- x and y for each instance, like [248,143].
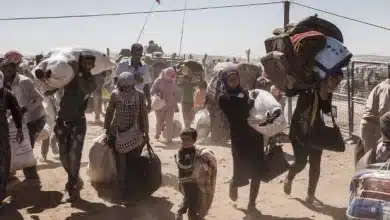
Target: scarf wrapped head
[226,72]
[14,55]
[126,80]
[168,74]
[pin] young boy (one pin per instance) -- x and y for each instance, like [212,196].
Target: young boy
[185,162]
[185,158]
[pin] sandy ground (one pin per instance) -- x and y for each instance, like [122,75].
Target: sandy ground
[27,203]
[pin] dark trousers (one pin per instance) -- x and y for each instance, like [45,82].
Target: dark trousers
[34,129]
[5,159]
[70,136]
[191,201]
[301,154]
[126,166]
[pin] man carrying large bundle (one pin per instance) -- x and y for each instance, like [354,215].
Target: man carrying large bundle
[71,126]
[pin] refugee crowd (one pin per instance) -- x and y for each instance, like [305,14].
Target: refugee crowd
[240,102]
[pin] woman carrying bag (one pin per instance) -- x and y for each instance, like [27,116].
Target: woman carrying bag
[306,126]
[247,143]
[127,129]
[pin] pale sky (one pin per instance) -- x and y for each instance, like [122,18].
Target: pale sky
[222,32]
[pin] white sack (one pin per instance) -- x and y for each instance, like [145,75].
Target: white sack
[102,63]
[266,104]
[22,155]
[202,123]
[62,72]
[202,117]
[102,166]
[157,103]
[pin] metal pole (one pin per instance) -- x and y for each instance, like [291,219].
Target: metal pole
[352,110]
[182,26]
[286,22]
[146,21]
[349,92]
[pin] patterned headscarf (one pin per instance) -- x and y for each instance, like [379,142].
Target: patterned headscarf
[126,80]
[226,72]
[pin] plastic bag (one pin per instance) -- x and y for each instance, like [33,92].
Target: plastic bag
[202,117]
[61,72]
[102,62]
[102,166]
[22,155]
[264,107]
[157,103]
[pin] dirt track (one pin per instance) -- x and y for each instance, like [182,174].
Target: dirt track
[28,203]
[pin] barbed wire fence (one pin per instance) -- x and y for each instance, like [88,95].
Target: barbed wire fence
[349,98]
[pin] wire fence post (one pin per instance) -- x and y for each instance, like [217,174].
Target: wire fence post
[286,22]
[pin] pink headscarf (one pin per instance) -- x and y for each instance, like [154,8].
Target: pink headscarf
[168,74]
[166,86]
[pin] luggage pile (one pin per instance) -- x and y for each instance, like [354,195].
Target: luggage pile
[370,193]
[309,51]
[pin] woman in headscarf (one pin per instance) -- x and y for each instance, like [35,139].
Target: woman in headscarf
[125,110]
[305,117]
[165,87]
[247,143]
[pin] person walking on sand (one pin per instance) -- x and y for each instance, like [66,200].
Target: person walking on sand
[7,102]
[165,87]
[30,101]
[127,110]
[247,144]
[71,124]
[301,123]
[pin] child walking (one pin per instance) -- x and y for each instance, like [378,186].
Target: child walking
[192,180]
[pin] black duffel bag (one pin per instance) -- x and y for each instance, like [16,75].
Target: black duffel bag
[275,163]
[149,172]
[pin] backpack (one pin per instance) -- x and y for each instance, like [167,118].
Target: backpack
[314,23]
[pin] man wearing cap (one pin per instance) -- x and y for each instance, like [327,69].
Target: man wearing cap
[71,125]
[30,100]
[139,69]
